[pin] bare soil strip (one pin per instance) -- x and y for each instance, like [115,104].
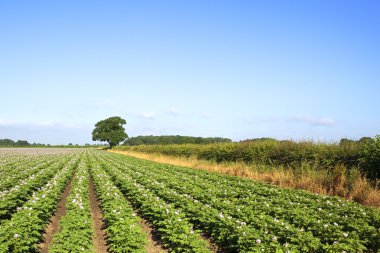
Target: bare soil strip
[212,246]
[53,226]
[99,235]
[154,243]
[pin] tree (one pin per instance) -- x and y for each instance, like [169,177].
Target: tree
[22,143]
[345,141]
[110,130]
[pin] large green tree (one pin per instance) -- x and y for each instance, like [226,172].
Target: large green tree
[110,130]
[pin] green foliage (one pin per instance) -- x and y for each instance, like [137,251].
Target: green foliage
[23,231]
[239,215]
[18,194]
[76,225]
[371,156]
[124,233]
[172,139]
[244,215]
[20,143]
[110,130]
[174,228]
[352,154]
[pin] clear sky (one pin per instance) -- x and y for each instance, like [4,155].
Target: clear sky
[236,69]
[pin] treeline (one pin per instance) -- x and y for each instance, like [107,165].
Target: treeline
[19,143]
[23,143]
[172,139]
[363,154]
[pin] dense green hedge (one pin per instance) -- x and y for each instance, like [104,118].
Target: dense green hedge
[172,139]
[289,153]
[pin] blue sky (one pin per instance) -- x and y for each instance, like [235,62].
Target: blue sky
[236,69]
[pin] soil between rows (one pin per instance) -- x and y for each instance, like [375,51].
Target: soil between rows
[99,235]
[53,226]
[155,244]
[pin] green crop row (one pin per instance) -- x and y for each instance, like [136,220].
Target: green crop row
[243,189]
[123,231]
[76,225]
[11,175]
[296,219]
[174,228]
[16,196]
[185,206]
[23,231]
[229,232]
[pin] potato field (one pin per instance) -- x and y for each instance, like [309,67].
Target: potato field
[49,198]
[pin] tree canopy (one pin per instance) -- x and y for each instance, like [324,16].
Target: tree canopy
[11,143]
[110,130]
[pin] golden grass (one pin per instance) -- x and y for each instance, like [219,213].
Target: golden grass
[336,182]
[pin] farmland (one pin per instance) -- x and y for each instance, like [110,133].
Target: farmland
[349,169]
[186,210]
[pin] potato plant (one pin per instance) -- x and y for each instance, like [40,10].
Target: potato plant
[122,224]
[297,220]
[188,209]
[76,226]
[19,193]
[24,230]
[175,230]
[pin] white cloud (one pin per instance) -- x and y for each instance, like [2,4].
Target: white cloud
[309,120]
[174,111]
[8,123]
[106,103]
[266,120]
[147,115]
[205,116]
[45,132]
[45,124]
[312,121]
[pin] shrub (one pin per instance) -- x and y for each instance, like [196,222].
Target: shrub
[370,157]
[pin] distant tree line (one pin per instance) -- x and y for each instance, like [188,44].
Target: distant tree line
[259,140]
[19,143]
[363,140]
[23,143]
[172,139]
